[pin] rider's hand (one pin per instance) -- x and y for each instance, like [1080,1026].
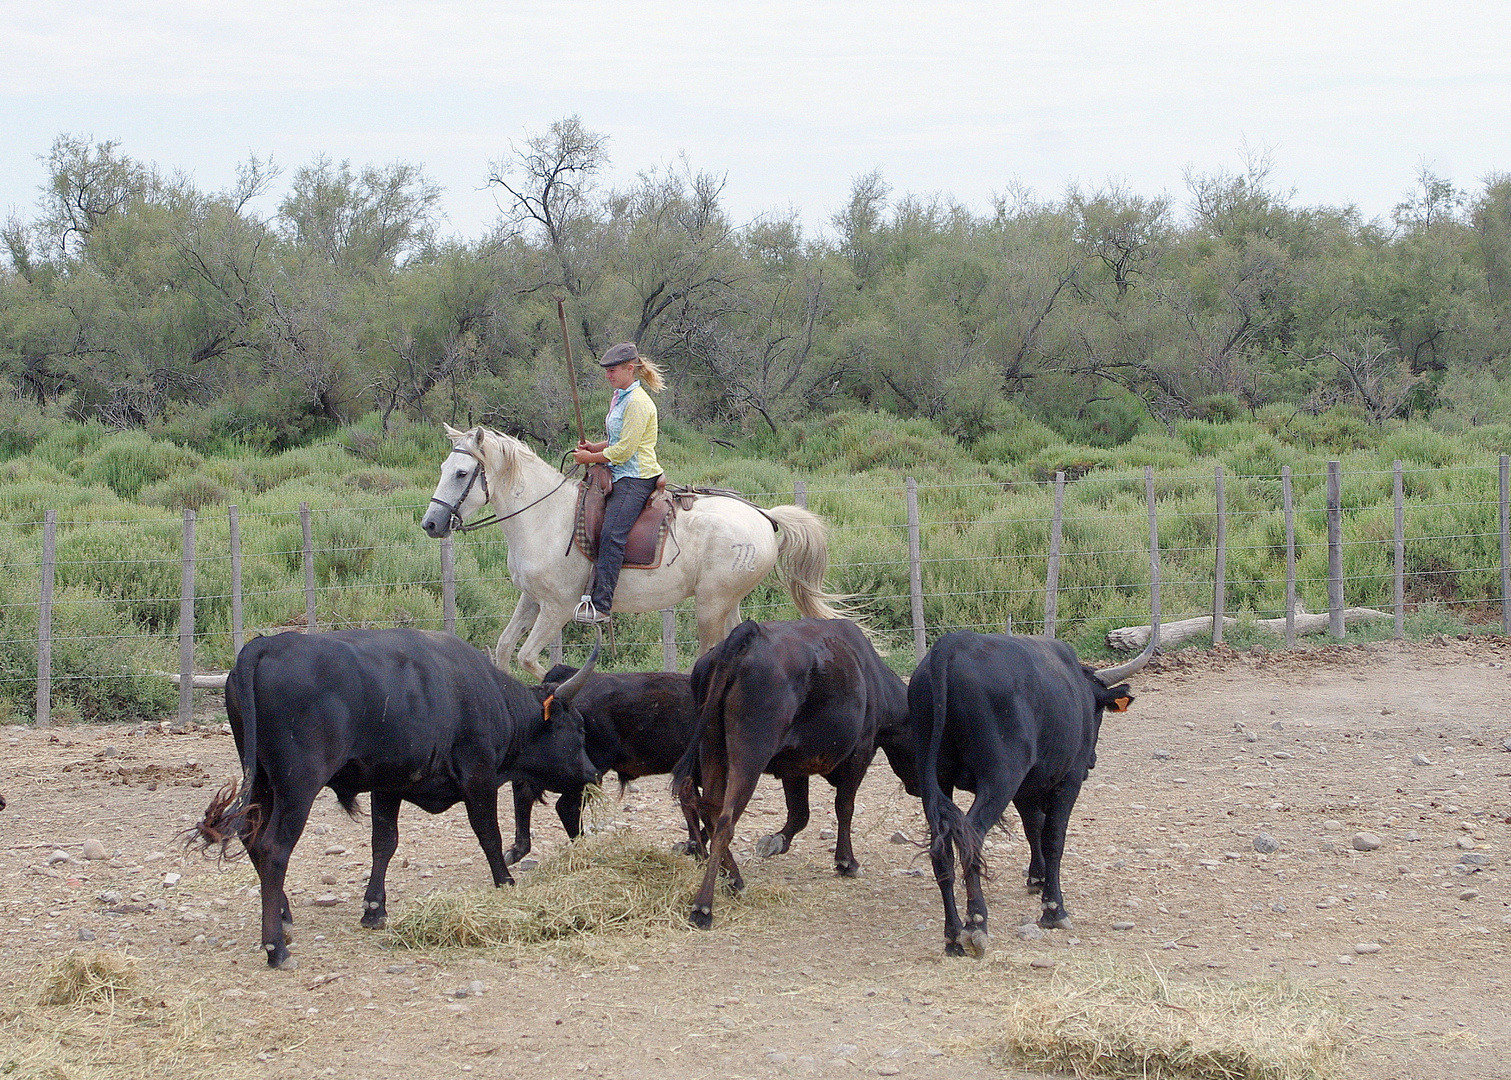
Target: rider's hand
[582,455]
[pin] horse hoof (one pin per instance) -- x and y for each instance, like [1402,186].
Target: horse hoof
[702,918]
[767,846]
[976,941]
[849,869]
[954,948]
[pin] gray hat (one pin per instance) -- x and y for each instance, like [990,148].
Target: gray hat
[622,353]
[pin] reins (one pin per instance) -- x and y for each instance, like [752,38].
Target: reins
[458,526]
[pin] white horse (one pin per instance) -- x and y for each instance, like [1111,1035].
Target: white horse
[722,548]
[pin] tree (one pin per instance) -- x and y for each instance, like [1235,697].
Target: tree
[359,221]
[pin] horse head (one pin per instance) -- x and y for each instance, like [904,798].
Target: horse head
[481,462]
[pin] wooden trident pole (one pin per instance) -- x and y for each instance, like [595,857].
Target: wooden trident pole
[566,341]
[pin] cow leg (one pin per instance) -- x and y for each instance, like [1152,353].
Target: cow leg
[943,859]
[1056,821]
[1032,816]
[846,780]
[385,814]
[482,815]
[261,798]
[687,802]
[985,812]
[731,792]
[524,803]
[284,826]
[710,805]
[795,789]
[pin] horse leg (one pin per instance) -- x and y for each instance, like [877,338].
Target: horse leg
[716,618]
[524,612]
[551,618]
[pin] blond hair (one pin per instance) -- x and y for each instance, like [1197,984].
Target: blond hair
[650,373]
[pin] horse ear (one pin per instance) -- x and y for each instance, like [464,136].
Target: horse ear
[477,436]
[452,433]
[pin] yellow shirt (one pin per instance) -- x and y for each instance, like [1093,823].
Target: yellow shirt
[632,429]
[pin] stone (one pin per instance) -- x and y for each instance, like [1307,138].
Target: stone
[95,851]
[527,864]
[1043,963]
[1162,755]
[1030,932]
[477,987]
[1475,858]
[1333,826]
[111,751]
[1366,842]
[1420,759]
[397,969]
[900,837]
[886,1069]
[845,1050]
[1469,894]
[1366,948]
[776,1057]
[1506,745]
[57,857]
[827,834]
[170,880]
[1124,925]
[1282,755]
[1250,737]
[329,879]
[86,934]
[335,849]
[1466,843]
[1278,907]
[325,900]
[1264,843]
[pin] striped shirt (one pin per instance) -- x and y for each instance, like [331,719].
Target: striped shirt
[631,428]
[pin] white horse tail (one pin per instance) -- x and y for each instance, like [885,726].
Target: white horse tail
[803,554]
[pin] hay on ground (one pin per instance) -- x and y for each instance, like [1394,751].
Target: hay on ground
[1117,1020]
[89,977]
[606,884]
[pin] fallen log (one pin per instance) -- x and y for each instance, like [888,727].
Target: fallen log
[203,680]
[1129,638]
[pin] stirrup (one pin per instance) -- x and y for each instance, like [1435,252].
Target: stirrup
[587,613]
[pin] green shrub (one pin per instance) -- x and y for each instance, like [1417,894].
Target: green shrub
[128,462]
[191,491]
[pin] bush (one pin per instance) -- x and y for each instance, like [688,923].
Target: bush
[128,462]
[186,492]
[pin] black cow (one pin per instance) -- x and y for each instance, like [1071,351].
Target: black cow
[637,724]
[408,715]
[791,699]
[1013,719]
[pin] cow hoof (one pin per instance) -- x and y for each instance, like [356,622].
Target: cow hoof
[767,846]
[849,869]
[954,948]
[702,917]
[375,920]
[278,957]
[1034,885]
[513,855]
[1050,921]
[687,847]
[976,941]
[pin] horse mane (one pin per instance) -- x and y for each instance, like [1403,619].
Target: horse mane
[501,454]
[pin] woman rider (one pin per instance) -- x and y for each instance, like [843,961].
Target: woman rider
[630,453]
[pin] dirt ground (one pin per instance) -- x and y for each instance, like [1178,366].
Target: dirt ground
[1402,742]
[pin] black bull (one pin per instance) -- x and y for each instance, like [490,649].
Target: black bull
[408,715]
[792,699]
[1013,719]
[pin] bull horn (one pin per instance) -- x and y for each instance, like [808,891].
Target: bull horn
[1111,675]
[568,690]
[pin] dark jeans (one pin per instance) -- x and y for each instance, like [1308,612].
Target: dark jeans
[628,498]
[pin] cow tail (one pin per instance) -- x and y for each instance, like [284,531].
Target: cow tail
[229,813]
[685,774]
[948,821]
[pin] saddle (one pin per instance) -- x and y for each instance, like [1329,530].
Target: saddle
[647,541]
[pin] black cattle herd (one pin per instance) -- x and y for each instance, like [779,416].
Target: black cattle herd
[425,718]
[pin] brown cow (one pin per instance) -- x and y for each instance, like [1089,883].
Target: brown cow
[792,699]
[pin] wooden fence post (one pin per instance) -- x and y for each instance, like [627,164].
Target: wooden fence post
[915,571]
[669,637]
[1505,545]
[309,568]
[238,632]
[1052,572]
[800,494]
[1290,556]
[44,618]
[1220,571]
[448,584]
[1154,577]
[1400,583]
[1334,550]
[186,627]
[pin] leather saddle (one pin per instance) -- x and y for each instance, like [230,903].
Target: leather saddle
[647,541]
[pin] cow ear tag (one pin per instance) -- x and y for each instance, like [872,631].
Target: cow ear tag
[545,707]
[1121,704]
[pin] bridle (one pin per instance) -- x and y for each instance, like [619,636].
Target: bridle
[454,508]
[481,473]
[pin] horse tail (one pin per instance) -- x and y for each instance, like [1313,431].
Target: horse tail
[803,554]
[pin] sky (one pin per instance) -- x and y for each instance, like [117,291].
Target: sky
[789,101]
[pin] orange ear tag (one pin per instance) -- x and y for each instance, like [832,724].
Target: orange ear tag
[545,707]
[1121,704]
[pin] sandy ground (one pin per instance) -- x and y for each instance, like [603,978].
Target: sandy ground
[1404,742]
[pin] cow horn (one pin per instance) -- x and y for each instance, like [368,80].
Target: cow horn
[1108,676]
[568,690]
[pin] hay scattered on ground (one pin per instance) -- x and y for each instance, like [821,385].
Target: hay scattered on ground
[603,885]
[1116,1020]
[94,1015]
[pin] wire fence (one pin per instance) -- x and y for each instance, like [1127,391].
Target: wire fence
[1063,558]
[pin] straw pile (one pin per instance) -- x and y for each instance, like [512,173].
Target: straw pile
[1114,1020]
[603,885]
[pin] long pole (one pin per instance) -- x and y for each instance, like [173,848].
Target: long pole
[1334,550]
[1400,582]
[186,627]
[1220,571]
[44,618]
[1290,556]
[1505,524]
[915,571]
[1154,575]
[1052,571]
[566,342]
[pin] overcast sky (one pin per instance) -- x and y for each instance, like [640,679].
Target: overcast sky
[790,99]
